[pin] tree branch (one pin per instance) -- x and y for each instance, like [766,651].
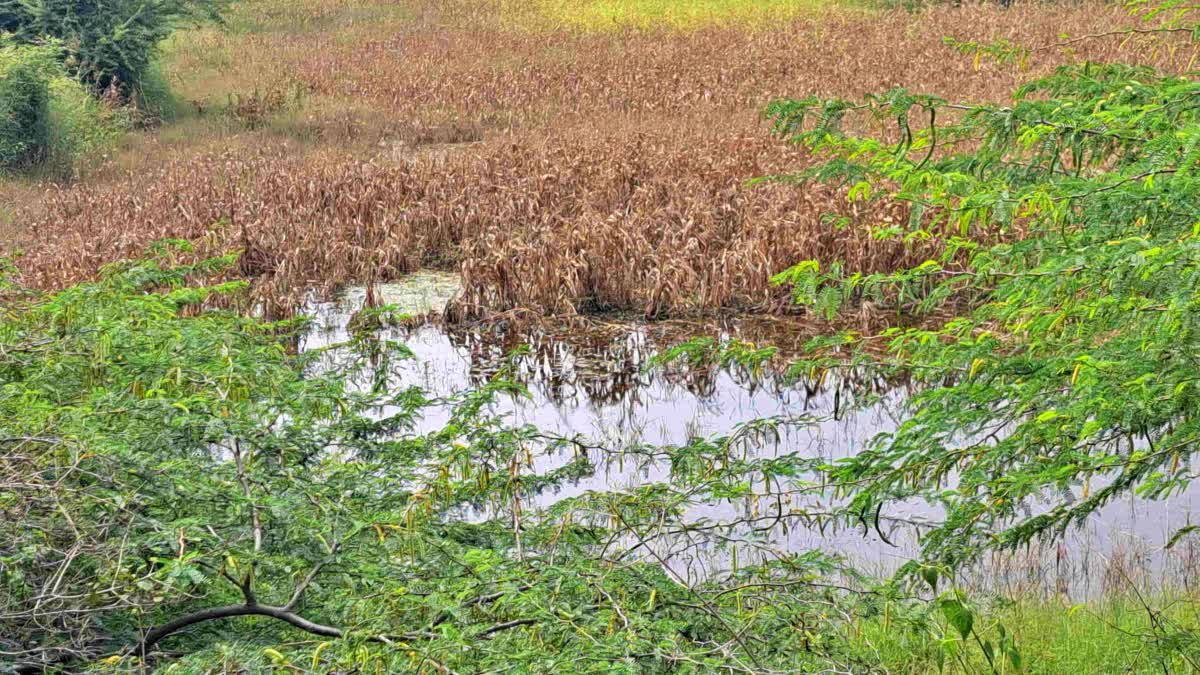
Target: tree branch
[256,522]
[45,440]
[1121,31]
[308,579]
[287,616]
[156,635]
[505,626]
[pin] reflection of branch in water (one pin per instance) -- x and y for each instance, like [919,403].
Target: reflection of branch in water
[603,369]
[610,363]
[603,361]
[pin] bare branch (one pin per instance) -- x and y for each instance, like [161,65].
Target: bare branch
[505,626]
[308,579]
[282,614]
[1122,31]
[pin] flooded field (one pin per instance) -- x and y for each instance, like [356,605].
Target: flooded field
[599,383]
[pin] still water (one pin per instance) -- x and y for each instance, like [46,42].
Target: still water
[598,383]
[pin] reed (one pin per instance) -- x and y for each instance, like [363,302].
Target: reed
[562,171]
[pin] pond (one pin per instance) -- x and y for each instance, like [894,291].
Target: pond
[598,382]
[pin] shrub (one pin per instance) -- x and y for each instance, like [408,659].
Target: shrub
[154,101]
[24,96]
[47,119]
[76,124]
[1074,367]
[204,470]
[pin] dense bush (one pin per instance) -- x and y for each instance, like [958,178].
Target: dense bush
[107,43]
[76,124]
[56,56]
[46,117]
[24,96]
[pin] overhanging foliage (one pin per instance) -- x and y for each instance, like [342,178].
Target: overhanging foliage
[179,479]
[1072,382]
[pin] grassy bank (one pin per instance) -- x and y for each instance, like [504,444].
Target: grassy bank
[1118,634]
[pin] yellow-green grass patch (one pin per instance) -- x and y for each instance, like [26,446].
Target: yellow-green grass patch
[602,15]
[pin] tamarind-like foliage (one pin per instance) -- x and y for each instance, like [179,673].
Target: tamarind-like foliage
[1066,376]
[182,487]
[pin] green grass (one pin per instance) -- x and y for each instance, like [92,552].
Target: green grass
[1107,636]
[78,124]
[600,15]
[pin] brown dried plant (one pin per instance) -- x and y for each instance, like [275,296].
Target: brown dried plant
[563,172]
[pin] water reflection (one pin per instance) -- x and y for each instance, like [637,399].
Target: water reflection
[597,383]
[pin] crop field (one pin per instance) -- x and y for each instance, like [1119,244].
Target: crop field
[567,156]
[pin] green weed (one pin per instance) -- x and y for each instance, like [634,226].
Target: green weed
[1108,635]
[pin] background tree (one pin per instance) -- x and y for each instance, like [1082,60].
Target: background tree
[106,43]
